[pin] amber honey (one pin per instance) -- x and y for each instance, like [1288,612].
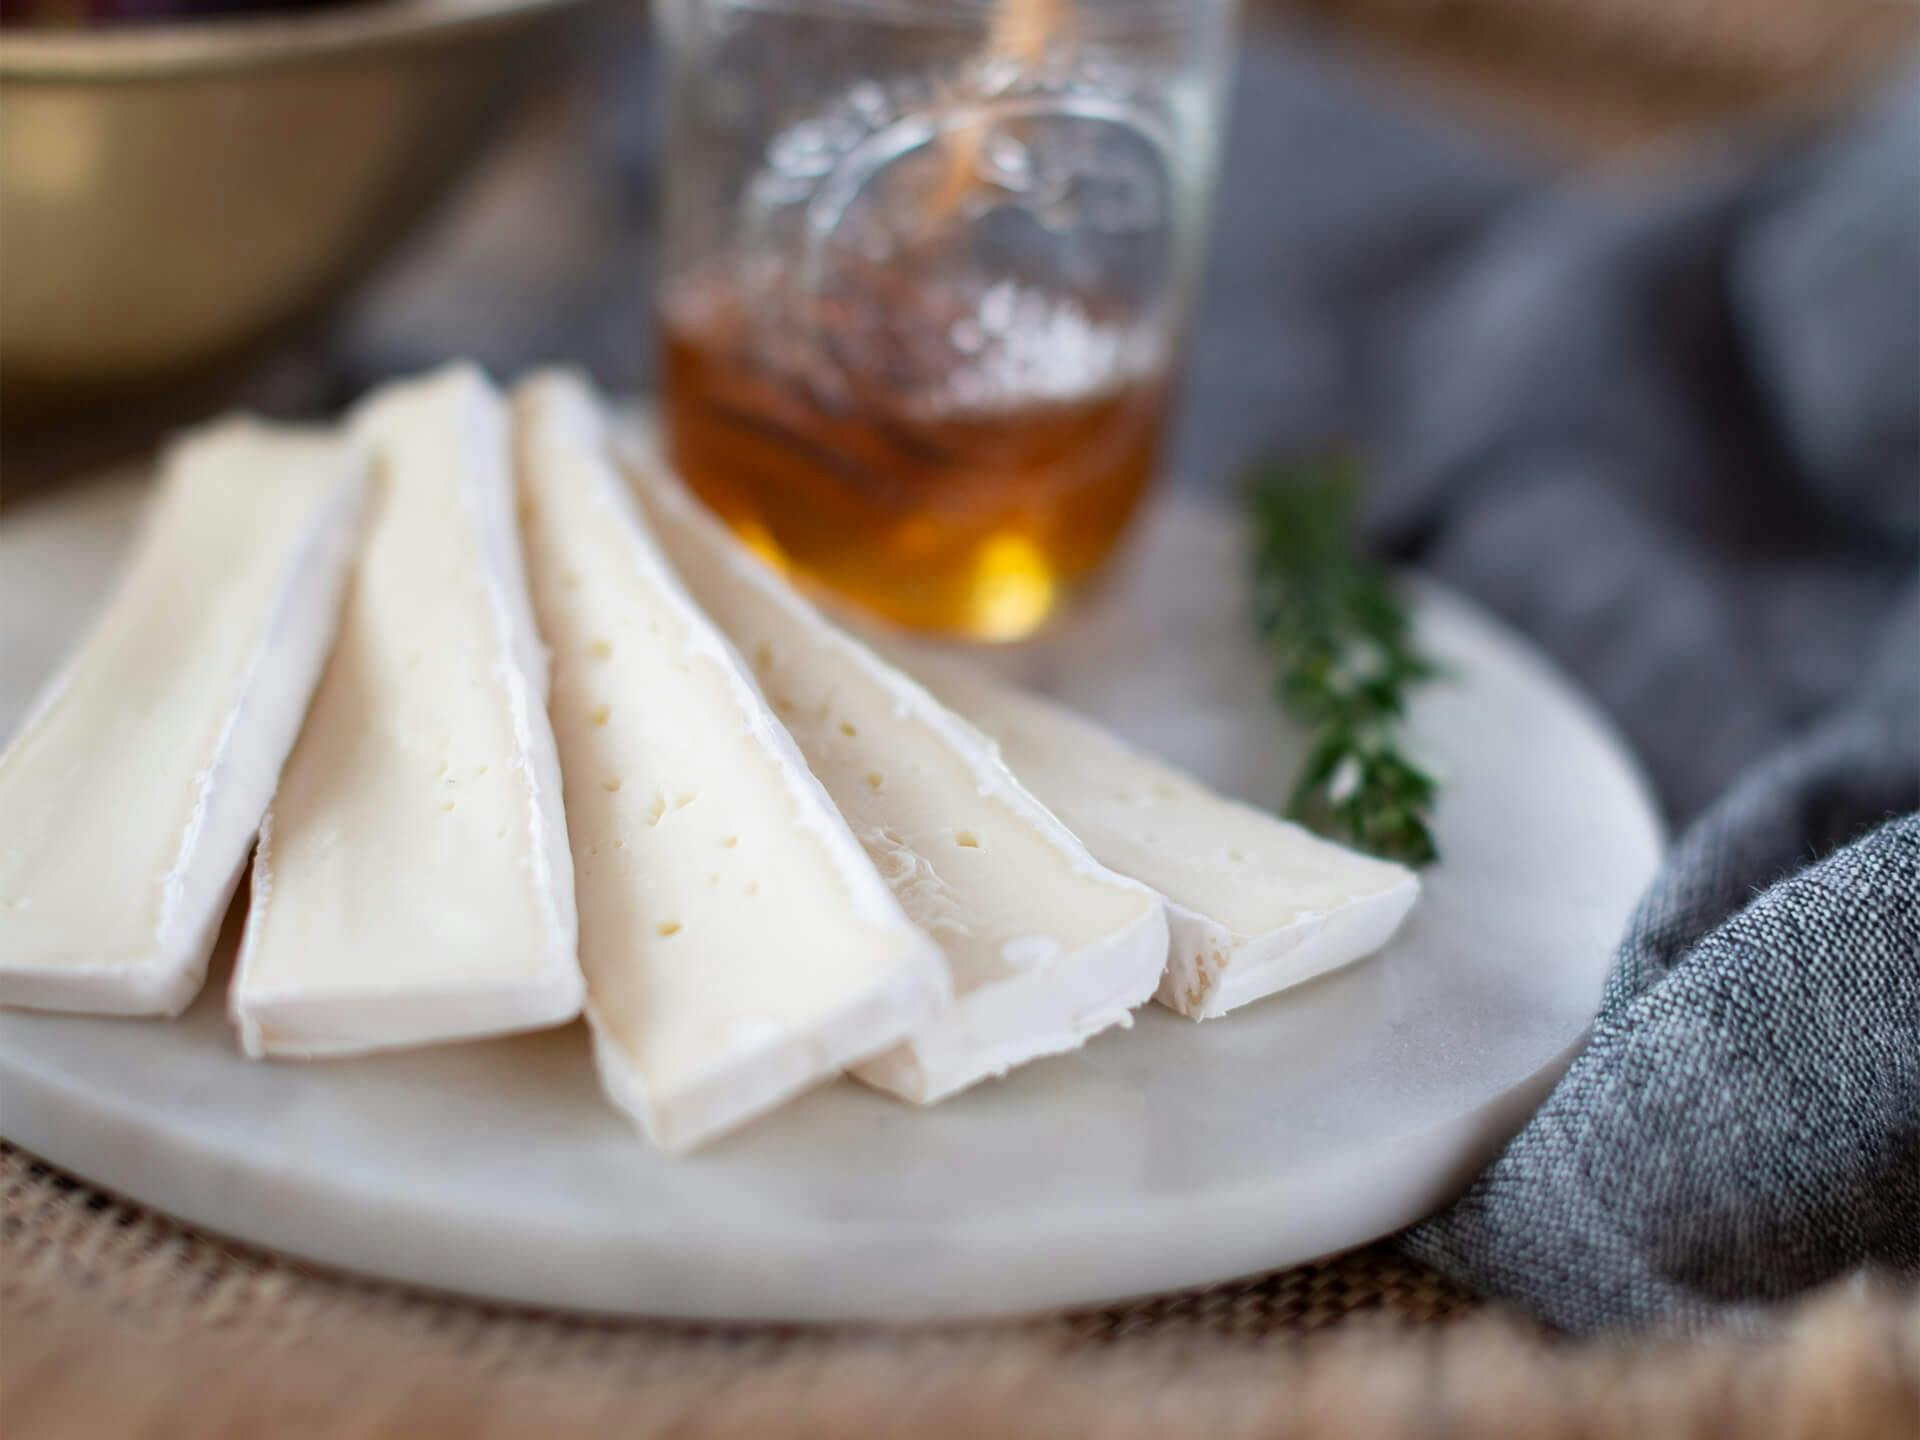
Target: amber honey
[956,461]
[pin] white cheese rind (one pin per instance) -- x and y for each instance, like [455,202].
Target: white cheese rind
[412,884]
[130,797]
[1047,947]
[738,944]
[1256,904]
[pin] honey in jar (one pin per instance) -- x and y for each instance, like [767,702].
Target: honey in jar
[926,272]
[955,458]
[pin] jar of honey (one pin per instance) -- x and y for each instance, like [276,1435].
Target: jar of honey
[928,267]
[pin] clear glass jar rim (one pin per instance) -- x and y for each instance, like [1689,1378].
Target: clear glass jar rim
[1088,16]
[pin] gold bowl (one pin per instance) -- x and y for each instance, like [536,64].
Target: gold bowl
[174,196]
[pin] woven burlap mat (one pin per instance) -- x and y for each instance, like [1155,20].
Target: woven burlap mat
[115,1321]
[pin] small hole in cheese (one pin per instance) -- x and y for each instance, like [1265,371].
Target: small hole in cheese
[680,802]
[730,842]
[659,809]
[598,715]
[762,657]
[446,804]
[966,840]
[612,782]
[600,649]
[668,927]
[847,729]
[874,779]
[753,887]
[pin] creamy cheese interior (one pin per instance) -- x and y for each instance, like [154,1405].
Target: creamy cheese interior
[734,937]
[1242,867]
[159,743]
[1045,945]
[1256,904]
[415,850]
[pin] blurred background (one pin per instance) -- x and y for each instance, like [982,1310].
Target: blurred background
[403,180]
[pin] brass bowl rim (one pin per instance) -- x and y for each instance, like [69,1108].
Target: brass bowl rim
[245,42]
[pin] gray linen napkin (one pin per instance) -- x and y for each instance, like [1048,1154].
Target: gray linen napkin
[1745,1121]
[1674,431]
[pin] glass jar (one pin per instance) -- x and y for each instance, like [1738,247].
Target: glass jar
[928,264]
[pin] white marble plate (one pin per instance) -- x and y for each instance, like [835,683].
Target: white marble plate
[1168,1156]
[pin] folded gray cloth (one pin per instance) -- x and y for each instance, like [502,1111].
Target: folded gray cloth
[1674,431]
[1745,1122]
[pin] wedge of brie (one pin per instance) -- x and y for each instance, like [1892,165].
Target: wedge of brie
[1046,946]
[1255,904]
[412,882]
[130,798]
[738,944]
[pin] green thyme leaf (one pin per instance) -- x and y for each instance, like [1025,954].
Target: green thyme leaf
[1342,644]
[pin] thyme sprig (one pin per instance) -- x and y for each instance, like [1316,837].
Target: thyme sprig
[1342,641]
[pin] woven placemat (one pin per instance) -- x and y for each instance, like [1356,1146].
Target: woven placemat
[60,1234]
[116,1321]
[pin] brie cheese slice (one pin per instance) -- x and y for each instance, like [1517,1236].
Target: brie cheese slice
[412,882]
[1046,946]
[738,944]
[130,798]
[1256,904]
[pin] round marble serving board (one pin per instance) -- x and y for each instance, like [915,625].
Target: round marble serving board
[1170,1155]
